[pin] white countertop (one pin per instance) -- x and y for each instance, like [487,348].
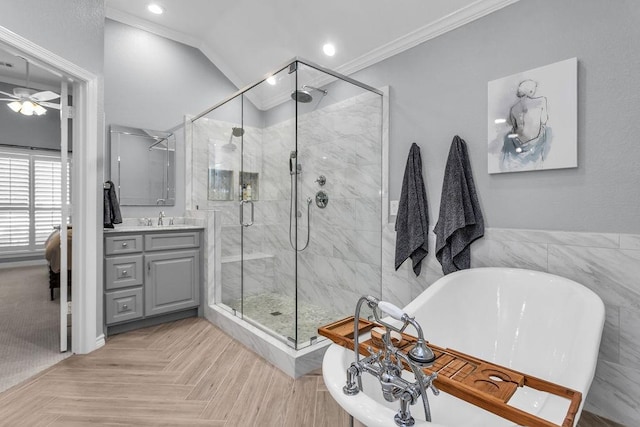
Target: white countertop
[151,228]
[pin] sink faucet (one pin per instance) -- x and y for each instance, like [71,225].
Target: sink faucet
[160,217]
[386,364]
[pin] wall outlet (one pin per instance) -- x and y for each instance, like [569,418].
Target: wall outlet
[393,207]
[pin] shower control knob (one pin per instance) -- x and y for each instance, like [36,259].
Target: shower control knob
[322,180]
[322,199]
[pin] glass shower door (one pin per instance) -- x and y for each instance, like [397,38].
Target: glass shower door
[339,139]
[216,158]
[268,261]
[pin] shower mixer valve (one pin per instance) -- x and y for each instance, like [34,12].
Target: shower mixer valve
[386,363]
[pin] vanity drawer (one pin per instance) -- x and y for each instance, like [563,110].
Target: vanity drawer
[123,271]
[123,305]
[163,241]
[115,245]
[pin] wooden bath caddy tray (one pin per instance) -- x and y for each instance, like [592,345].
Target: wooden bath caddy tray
[473,380]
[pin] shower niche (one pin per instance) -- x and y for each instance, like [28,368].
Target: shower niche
[249,186]
[220,185]
[282,264]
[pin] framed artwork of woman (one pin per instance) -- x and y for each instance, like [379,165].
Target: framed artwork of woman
[532,120]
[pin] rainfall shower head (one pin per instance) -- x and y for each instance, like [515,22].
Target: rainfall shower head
[301,96]
[304,96]
[230,146]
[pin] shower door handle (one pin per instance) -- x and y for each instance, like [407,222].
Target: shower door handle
[242,203]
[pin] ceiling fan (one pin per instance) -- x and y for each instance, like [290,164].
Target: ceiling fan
[29,101]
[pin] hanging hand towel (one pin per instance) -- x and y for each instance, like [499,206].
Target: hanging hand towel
[412,221]
[460,221]
[111,212]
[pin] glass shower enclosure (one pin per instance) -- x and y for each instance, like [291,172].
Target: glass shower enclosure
[292,167]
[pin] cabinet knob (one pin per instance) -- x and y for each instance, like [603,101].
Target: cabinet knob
[124,244]
[124,273]
[125,306]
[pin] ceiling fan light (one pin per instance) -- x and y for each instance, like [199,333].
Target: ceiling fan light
[27,108]
[39,110]
[15,106]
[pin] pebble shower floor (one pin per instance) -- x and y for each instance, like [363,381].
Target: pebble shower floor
[277,313]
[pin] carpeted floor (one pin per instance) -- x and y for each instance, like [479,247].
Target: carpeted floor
[29,324]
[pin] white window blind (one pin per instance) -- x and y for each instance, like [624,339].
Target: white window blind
[14,201]
[47,182]
[29,199]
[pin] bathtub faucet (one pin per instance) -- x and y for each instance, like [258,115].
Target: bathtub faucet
[386,364]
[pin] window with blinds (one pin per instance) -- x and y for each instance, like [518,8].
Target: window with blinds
[30,201]
[14,201]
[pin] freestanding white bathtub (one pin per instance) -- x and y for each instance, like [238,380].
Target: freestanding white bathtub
[536,323]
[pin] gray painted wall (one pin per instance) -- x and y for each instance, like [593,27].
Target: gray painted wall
[72,29]
[152,82]
[439,89]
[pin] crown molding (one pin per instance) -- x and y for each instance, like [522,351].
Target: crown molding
[220,64]
[456,19]
[430,31]
[151,27]
[178,36]
[460,17]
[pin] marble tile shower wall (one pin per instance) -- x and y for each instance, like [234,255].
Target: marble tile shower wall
[608,264]
[342,261]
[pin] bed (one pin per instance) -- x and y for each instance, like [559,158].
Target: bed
[52,255]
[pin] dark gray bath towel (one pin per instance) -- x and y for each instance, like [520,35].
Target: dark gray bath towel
[412,222]
[111,206]
[460,221]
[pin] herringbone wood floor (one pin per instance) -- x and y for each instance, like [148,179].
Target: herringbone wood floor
[185,373]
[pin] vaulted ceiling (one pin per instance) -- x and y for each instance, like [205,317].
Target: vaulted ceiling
[246,39]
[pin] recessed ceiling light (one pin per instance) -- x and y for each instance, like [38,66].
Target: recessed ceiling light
[154,8]
[329,49]
[271,80]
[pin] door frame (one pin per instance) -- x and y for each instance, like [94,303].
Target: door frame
[86,206]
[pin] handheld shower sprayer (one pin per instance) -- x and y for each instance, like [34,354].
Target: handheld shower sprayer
[295,168]
[420,353]
[292,157]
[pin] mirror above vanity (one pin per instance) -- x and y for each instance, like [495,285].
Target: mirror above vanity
[143,166]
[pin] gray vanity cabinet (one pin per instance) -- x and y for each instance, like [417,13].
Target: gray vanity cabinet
[150,276]
[172,281]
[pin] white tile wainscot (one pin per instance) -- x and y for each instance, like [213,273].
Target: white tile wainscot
[607,263]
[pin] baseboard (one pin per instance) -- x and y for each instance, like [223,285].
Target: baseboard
[100,341]
[25,263]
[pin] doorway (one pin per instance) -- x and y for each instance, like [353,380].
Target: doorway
[35,160]
[86,252]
